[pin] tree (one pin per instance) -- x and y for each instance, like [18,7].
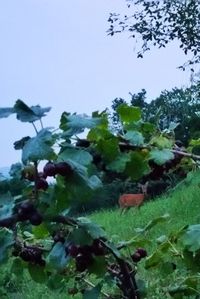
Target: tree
[180,106]
[157,23]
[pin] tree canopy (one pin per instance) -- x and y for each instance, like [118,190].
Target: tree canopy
[157,23]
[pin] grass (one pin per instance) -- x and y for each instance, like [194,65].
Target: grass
[183,206]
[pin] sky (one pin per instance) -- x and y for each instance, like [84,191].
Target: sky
[57,53]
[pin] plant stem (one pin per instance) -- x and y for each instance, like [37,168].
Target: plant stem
[34,126]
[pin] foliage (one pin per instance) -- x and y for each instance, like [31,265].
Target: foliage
[157,23]
[37,231]
[179,108]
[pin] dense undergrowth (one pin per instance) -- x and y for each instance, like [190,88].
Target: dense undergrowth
[183,205]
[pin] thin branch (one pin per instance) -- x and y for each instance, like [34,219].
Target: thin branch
[41,123]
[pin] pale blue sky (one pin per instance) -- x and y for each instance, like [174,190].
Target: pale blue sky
[56,53]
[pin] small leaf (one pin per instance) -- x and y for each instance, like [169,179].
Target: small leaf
[137,167]
[135,138]
[29,114]
[37,273]
[19,144]
[119,164]
[160,157]
[57,258]
[39,147]
[5,112]
[128,114]
[78,156]
[191,238]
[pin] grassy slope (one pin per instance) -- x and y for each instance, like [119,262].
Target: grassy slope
[183,205]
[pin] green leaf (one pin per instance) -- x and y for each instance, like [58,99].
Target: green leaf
[135,138]
[29,114]
[57,258]
[17,267]
[128,114]
[154,260]
[97,134]
[76,155]
[160,157]
[6,205]
[5,112]
[99,266]
[37,273]
[40,231]
[119,164]
[94,230]
[19,144]
[109,148]
[153,222]
[6,241]
[81,237]
[161,142]
[94,293]
[39,147]
[56,281]
[191,238]
[137,167]
[75,124]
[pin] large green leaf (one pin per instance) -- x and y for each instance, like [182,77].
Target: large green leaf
[94,230]
[39,147]
[137,167]
[135,138]
[191,238]
[161,141]
[160,157]
[75,124]
[57,258]
[119,163]
[76,155]
[109,148]
[128,114]
[29,114]
[6,241]
[5,112]
[97,134]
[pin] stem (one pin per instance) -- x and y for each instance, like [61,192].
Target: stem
[129,285]
[36,194]
[34,126]
[41,123]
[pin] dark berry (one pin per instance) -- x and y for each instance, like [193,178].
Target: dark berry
[83,143]
[36,219]
[42,184]
[25,255]
[97,248]
[83,262]
[64,169]
[72,291]
[136,257]
[73,250]
[22,215]
[50,169]
[142,252]
[59,238]
[27,207]
[85,250]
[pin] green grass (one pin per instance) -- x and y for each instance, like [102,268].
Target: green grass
[183,206]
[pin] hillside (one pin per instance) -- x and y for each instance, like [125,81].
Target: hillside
[183,206]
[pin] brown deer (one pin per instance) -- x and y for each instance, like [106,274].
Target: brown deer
[133,200]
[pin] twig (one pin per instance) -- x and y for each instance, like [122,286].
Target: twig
[35,127]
